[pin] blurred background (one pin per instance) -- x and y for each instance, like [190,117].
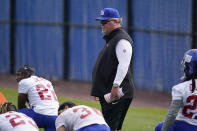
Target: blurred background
[61,38]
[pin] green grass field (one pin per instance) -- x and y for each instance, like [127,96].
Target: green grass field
[137,119]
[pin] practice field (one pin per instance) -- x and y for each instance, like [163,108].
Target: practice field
[137,119]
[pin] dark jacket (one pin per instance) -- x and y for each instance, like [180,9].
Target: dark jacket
[105,69]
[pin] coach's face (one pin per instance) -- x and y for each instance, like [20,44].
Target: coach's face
[106,26]
[109,25]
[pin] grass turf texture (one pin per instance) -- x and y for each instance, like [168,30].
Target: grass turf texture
[137,118]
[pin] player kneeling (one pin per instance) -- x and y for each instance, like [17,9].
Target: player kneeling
[79,118]
[184,99]
[10,120]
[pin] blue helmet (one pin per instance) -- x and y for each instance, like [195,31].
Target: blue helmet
[189,63]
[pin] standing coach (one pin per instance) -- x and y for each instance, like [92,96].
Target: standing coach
[112,73]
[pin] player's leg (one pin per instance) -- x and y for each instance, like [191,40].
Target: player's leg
[42,121]
[178,126]
[50,129]
[33,115]
[183,126]
[51,123]
[159,126]
[46,122]
[95,127]
[28,112]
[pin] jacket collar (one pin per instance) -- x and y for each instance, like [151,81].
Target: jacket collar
[108,37]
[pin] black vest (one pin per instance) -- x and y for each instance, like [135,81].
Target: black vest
[104,70]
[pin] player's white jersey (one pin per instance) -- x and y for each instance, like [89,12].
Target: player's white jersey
[188,112]
[78,117]
[15,121]
[41,95]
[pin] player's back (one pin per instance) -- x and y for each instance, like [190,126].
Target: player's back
[80,116]
[15,121]
[188,112]
[41,95]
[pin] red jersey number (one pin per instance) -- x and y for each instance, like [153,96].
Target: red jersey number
[45,93]
[12,120]
[186,108]
[86,111]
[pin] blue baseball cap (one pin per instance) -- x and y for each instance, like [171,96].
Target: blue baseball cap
[108,13]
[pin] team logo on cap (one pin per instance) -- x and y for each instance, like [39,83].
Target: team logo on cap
[102,12]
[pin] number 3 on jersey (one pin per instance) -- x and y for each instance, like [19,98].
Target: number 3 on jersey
[45,92]
[86,112]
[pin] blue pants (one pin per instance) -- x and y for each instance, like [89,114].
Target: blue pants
[178,126]
[42,121]
[95,127]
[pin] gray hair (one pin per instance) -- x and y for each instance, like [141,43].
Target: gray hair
[118,20]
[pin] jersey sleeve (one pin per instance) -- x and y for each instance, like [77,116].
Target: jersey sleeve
[124,54]
[1,123]
[60,121]
[177,93]
[23,87]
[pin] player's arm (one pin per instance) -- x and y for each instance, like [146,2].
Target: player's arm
[61,128]
[22,99]
[172,113]
[62,121]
